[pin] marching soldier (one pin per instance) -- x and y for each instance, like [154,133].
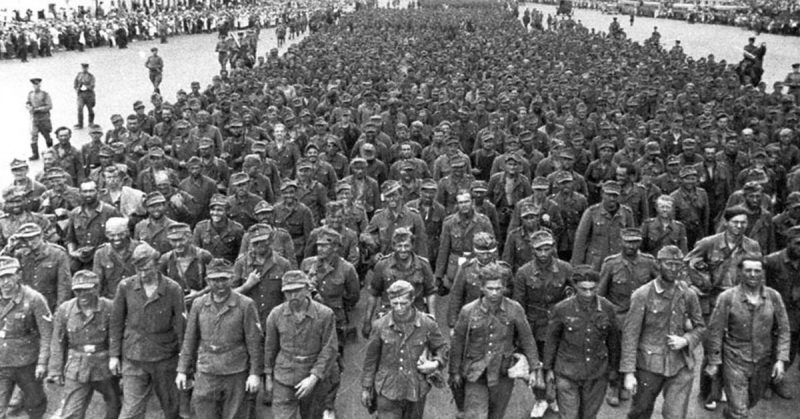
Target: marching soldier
[517,250]
[432,213]
[79,350]
[599,228]
[15,215]
[25,336]
[663,229]
[395,215]
[39,105]
[404,350]
[348,248]
[280,239]
[219,234]
[295,217]
[86,229]
[691,206]
[186,263]
[456,240]
[113,260]
[153,229]
[222,348]
[84,87]
[571,204]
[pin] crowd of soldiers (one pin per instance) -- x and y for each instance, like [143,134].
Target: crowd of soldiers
[583,212]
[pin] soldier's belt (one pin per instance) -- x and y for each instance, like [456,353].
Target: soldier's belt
[89,349]
[5,334]
[218,349]
[301,358]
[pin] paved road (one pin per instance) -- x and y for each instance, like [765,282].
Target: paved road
[122,79]
[698,40]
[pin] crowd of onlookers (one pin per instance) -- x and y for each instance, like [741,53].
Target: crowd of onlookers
[30,35]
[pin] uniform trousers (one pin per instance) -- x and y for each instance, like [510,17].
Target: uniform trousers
[745,383]
[77,397]
[580,399]
[400,409]
[676,394]
[141,379]
[219,396]
[285,405]
[482,401]
[35,401]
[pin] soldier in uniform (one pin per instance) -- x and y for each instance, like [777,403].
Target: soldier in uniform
[348,248]
[310,191]
[394,215]
[432,213]
[620,275]
[112,261]
[633,195]
[505,190]
[571,206]
[295,217]
[789,218]
[79,350]
[663,229]
[280,239]
[186,263]
[153,229]
[200,187]
[39,105]
[691,206]
[155,65]
[661,331]
[20,171]
[25,337]
[299,351]
[713,269]
[219,235]
[364,189]
[582,326]
[146,335]
[451,185]
[43,266]
[223,348]
[242,202]
[455,244]
[15,215]
[257,272]
[402,264]
[598,231]
[86,229]
[517,250]
[403,339]
[84,87]
[67,156]
[793,82]
[466,286]
[335,282]
[538,286]
[355,216]
[547,208]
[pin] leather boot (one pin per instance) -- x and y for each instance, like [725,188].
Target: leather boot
[34,151]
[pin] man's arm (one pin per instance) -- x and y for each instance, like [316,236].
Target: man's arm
[191,341]
[372,358]
[718,324]
[253,338]
[555,328]
[58,342]
[631,331]
[329,350]
[44,324]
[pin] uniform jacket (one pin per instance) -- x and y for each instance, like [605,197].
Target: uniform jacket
[783,275]
[383,224]
[620,277]
[154,233]
[48,272]
[112,267]
[79,345]
[598,234]
[191,279]
[224,244]
[336,284]
[419,274]
[27,326]
[656,235]
[538,288]
[456,240]
[267,293]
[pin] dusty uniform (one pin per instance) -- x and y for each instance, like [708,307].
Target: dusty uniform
[456,243]
[298,221]
[267,293]
[222,243]
[47,271]
[388,270]
[222,346]
[383,224]
[598,234]
[113,266]
[79,352]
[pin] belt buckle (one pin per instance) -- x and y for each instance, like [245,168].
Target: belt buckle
[89,349]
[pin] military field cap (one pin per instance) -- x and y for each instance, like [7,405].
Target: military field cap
[178,230]
[116,118]
[734,211]
[205,142]
[689,141]
[563,176]
[688,171]
[154,49]
[429,184]
[8,265]
[399,288]
[631,234]
[343,185]
[263,206]
[793,232]
[142,254]
[154,141]
[251,160]
[258,146]
[511,139]
[138,104]
[29,230]
[367,149]
[14,193]
[287,184]
[541,238]
[757,175]
[19,164]
[458,161]
[85,280]
[156,152]
[793,200]
[239,178]
[105,151]
[329,236]
[390,186]
[567,153]
[612,187]
[219,268]
[528,209]
[479,185]
[607,144]
[194,161]
[182,123]
[54,173]
[752,187]
[673,160]
[358,160]
[402,233]
[484,242]
[670,252]
[514,157]
[235,122]
[36,80]
[260,232]
[95,129]
[759,152]
[218,200]
[652,147]
[304,163]
[116,225]
[293,280]
[407,165]
[305,112]
[540,183]
[154,198]
[487,136]
[584,273]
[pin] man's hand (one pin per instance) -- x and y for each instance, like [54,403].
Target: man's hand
[177,200]
[711,370]
[456,381]
[252,384]
[676,342]
[305,387]
[41,372]
[550,377]
[629,382]
[181,381]
[366,398]
[55,378]
[777,372]
[366,329]
[113,365]
[427,367]
[268,384]
[252,279]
